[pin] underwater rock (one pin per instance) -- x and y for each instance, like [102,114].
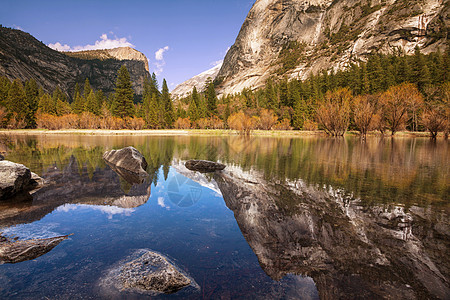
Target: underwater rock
[128,159]
[14,251]
[150,272]
[204,166]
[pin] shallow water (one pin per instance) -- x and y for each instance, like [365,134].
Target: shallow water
[297,218]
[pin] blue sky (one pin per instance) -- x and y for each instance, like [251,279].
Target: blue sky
[181,38]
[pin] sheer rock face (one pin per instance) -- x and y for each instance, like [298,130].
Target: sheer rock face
[17,251]
[24,57]
[357,27]
[350,250]
[121,53]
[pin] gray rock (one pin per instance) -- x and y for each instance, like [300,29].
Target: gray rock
[204,166]
[12,251]
[128,159]
[150,272]
[14,178]
[36,182]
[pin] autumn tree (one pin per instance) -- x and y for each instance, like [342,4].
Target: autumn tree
[267,119]
[364,111]
[394,104]
[334,114]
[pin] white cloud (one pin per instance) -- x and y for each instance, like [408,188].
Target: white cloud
[18,27]
[217,62]
[159,55]
[58,47]
[103,43]
[160,62]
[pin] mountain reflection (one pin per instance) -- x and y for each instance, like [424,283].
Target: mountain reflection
[351,251]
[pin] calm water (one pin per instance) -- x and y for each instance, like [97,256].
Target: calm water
[291,218]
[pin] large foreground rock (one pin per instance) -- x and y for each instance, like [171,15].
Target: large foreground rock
[147,272]
[204,166]
[12,251]
[127,159]
[16,178]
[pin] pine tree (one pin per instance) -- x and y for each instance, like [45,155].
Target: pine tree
[92,104]
[100,97]
[87,89]
[47,105]
[169,117]
[123,106]
[271,96]
[5,84]
[211,100]
[193,110]
[32,94]
[79,104]
[17,100]
[300,114]
[195,96]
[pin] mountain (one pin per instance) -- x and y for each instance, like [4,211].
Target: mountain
[24,57]
[295,38]
[183,89]
[121,53]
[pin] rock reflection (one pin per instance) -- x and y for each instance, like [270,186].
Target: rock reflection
[349,249]
[70,186]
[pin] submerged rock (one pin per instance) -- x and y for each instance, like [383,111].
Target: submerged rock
[16,178]
[128,159]
[12,251]
[149,272]
[204,166]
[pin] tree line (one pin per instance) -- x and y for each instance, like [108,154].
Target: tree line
[26,105]
[387,93]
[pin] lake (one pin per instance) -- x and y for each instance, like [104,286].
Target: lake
[289,218]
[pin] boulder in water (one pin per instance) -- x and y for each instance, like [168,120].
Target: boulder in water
[14,251]
[204,166]
[128,159]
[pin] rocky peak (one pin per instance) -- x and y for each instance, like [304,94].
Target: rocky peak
[199,81]
[24,57]
[120,53]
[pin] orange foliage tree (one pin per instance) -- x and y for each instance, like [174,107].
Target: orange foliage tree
[364,113]
[242,122]
[334,114]
[395,103]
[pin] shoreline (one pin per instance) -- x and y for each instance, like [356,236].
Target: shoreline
[193,132]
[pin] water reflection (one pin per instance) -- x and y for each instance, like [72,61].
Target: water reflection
[355,219]
[350,251]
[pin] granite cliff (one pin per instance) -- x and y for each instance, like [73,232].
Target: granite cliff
[295,38]
[24,57]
